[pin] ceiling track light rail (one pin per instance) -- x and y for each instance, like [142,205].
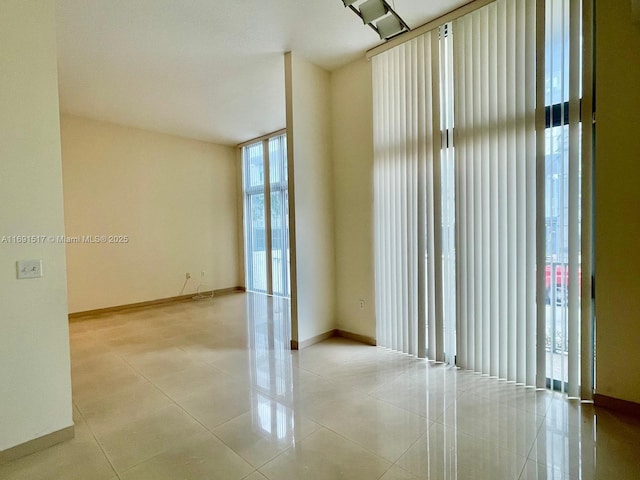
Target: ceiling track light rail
[380,16]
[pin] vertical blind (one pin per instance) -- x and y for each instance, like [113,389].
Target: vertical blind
[407,203]
[254,201]
[495,105]
[475,183]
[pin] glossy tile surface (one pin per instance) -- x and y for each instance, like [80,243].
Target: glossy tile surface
[210,390]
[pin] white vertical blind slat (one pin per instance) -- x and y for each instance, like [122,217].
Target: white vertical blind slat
[485,178]
[411,177]
[531,86]
[562,199]
[430,220]
[395,206]
[503,240]
[512,215]
[494,203]
[550,40]
[520,160]
[462,306]
[389,147]
[388,204]
[436,141]
[468,108]
[422,200]
[379,185]
[402,233]
[573,330]
[381,177]
[540,200]
[476,219]
[448,196]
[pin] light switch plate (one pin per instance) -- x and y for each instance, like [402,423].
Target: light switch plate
[29,268]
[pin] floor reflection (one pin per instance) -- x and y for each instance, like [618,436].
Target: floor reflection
[211,389]
[477,427]
[271,367]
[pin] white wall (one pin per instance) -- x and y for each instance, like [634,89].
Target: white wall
[173,197]
[35,383]
[617,200]
[352,132]
[308,90]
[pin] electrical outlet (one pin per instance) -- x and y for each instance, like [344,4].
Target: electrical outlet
[29,268]
[361,303]
[202,273]
[187,275]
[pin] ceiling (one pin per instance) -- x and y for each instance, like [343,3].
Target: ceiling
[211,70]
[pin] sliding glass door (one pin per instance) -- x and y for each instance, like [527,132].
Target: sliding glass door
[266,202]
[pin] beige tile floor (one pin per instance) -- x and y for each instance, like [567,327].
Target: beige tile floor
[210,390]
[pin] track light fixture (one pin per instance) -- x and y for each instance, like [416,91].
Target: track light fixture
[379,15]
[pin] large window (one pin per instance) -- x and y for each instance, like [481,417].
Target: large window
[478,164]
[266,206]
